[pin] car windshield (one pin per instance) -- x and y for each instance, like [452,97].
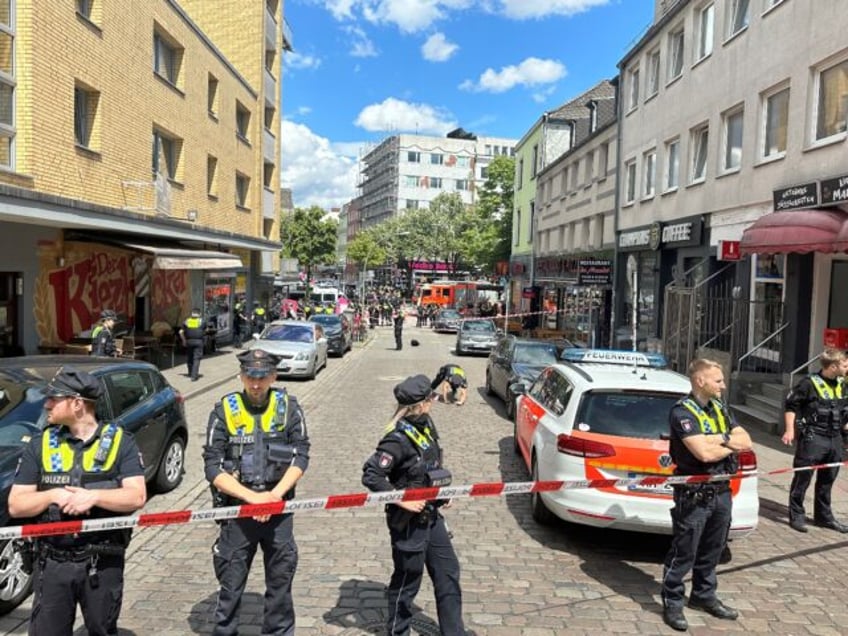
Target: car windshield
[21,412]
[450,314]
[626,413]
[288,333]
[537,354]
[485,326]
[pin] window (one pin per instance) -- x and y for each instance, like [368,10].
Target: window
[484,172]
[242,189]
[633,80]
[675,54]
[212,95]
[672,164]
[167,58]
[775,123]
[603,160]
[700,140]
[649,161]
[7,85]
[463,162]
[653,73]
[738,16]
[436,183]
[268,174]
[535,165]
[630,184]
[436,159]
[733,139]
[269,111]
[518,226]
[488,150]
[84,8]
[519,174]
[590,167]
[832,100]
[270,57]
[211,176]
[463,184]
[412,204]
[166,154]
[410,181]
[575,177]
[85,116]
[593,116]
[242,121]
[413,157]
[706,30]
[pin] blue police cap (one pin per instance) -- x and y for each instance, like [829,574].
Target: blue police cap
[413,390]
[258,363]
[72,382]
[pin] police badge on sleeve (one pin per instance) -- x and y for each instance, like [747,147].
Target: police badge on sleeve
[385,460]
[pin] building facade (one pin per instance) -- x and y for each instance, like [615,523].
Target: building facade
[139,166]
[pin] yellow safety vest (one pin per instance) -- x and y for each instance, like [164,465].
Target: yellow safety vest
[58,457]
[823,389]
[240,422]
[708,425]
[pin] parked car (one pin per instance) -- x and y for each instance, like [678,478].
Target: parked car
[447,320]
[136,396]
[301,345]
[592,417]
[338,332]
[478,335]
[516,360]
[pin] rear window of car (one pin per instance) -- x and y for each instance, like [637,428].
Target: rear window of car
[289,333]
[637,414]
[449,314]
[479,325]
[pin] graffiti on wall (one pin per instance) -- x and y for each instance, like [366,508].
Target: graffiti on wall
[170,295]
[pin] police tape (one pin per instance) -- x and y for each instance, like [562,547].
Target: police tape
[361,500]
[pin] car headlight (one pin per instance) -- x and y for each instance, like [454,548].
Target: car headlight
[303,355]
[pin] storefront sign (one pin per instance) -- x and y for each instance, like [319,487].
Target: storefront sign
[834,190]
[594,272]
[681,234]
[528,292]
[805,195]
[729,251]
[639,238]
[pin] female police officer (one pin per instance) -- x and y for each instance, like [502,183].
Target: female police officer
[409,456]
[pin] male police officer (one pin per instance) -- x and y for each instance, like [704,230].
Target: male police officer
[192,333]
[409,456]
[103,340]
[815,418]
[704,440]
[78,467]
[451,377]
[257,449]
[398,318]
[258,318]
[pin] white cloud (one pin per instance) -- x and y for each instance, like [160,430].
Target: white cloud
[530,72]
[362,45]
[395,115]
[527,9]
[541,96]
[437,48]
[410,16]
[318,172]
[293,59]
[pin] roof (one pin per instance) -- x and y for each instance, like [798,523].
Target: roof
[621,377]
[575,108]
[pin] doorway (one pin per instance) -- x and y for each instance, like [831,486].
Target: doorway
[10,333]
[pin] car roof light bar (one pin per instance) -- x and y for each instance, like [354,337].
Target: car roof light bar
[615,356]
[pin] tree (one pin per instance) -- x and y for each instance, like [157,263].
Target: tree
[309,237]
[495,203]
[366,249]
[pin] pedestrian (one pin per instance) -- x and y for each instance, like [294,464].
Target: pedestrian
[398,316]
[103,340]
[192,334]
[815,419]
[258,318]
[78,468]
[257,450]
[409,456]
[451,379]
[705,439]
[239,324]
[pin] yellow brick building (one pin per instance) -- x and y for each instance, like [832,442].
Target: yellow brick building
[139,161]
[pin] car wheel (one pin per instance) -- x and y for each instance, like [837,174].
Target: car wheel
[15,584]
[311,375]
[171,466]
[458,349]
[540,512]
[489,390]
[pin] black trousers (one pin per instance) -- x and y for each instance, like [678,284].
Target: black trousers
[700,524]
[414,548]
[59,585]
[233,554]
[815,448]
[398,339]
[194,352]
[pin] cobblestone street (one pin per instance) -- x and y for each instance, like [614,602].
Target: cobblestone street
[519,579]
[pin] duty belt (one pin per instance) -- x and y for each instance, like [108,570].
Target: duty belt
[81,554]
[713,489]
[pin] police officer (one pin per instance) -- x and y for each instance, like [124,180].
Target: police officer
[257,449]
[103,340]
[78,467]
[192,334]
[451,377]
[258,318]
[815,416]
[409,456]
[398,318]
[704,440]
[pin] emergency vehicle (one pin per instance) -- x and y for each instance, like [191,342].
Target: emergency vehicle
[603,414]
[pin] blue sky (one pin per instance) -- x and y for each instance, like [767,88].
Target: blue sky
[362,70]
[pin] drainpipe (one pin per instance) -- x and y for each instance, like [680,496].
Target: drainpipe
[617,210]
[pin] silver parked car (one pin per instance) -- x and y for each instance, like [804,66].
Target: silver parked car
[477,335]
[302,346]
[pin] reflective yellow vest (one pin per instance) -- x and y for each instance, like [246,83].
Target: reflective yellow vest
[63,466]
[708,425]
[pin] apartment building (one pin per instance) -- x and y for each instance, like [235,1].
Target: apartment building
[139,161]
[733,129]
[550,136]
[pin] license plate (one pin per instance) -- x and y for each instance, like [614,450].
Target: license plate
[659,489]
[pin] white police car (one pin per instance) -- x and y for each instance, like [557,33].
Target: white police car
[603,414]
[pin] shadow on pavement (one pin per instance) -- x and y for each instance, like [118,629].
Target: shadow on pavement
[774,511]
[495,402]
[202,614]
[361,608]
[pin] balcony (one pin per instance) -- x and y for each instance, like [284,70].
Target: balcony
[269,146]
[269,198]
[270,89]
[287,36]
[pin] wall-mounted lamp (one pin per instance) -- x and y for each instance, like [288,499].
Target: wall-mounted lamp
[60,261]
[191,215]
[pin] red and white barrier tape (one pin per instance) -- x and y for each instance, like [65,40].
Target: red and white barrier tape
[359,500]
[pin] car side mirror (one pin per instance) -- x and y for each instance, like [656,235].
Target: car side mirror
[518,388]
[256,336]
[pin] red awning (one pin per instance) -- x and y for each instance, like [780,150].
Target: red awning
[796,231]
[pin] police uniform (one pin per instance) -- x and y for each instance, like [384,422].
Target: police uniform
[259,319]
[193,332]
[409,456]
[256,445]
[819,404]
[82,568]
[454,375]
[701,514]
[103,341]
[398,323]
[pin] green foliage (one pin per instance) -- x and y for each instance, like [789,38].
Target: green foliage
[309,237]
[495,203]
[366,249]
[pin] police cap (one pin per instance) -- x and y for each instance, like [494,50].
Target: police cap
[72,382]
[108,314]
[413,390]
[258,363]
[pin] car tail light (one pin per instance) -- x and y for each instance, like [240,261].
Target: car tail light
[583,447]
[747,461]
[179,397]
